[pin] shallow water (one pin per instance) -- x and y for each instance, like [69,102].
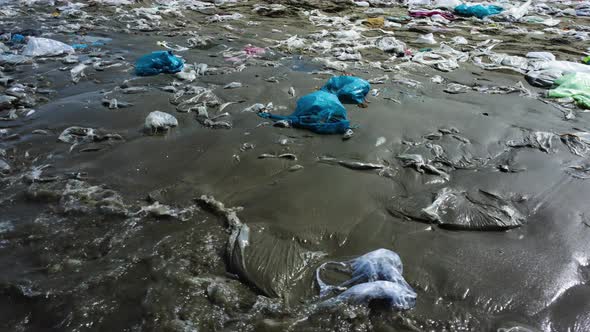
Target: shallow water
[90,258]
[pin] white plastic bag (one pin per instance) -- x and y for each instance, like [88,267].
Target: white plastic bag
[426,39]
[448,4]
[517,12]
[37,46]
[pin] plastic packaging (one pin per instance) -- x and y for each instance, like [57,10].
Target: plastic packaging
[37,46]
[479,11]
[158,62]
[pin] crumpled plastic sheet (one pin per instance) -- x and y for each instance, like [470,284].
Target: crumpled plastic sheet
[577,142]
[516,12]
[470,210]
[534,139]
[502,61]
[455,88]
[274,272]
[580,170]
[160,121]
[444,58]
[37,47]
[390,45]
[376,275]
[79,197]
[543,78]
[78,135]
[440,153]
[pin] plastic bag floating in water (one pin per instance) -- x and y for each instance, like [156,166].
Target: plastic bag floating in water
[376,275]
[158,62]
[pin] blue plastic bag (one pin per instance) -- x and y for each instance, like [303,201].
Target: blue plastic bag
[158,62]
[320,112]
[17,38]
[349,89]
[478,11]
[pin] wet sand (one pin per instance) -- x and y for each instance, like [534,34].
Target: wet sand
[70,264]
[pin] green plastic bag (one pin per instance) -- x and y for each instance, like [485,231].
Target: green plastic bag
[576,86]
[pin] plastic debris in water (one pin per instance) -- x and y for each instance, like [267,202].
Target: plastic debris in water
[479,210]
[376,275]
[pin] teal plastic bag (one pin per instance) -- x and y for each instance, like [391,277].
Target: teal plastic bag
[479,11]
[320,112]
[158,62]
[349,89]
